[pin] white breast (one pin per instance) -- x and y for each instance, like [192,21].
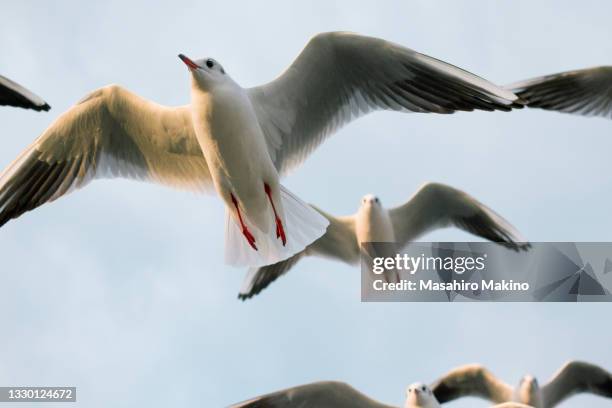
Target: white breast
[373,224]
[232,141]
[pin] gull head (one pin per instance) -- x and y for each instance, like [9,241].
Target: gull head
[370,201]
[528,390]
[205,72]
[420,395]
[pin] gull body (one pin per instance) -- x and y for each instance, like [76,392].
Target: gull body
[476,381]
[372,221]
[233,144]
[433,206]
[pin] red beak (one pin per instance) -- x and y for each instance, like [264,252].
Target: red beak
[188,62]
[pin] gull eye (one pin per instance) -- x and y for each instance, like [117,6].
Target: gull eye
[210,63]
[376,199]
[423,388]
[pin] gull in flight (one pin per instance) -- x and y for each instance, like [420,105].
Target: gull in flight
[334,394]
[476,381]
[433,206]
[586,92]
[13,94]
[240,140]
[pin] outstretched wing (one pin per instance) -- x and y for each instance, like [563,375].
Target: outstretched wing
[437,205]
[316,395]
[471,381]
[585,92]
[341,76]
[111,133]
[576,377]
[13,94]
[339,242]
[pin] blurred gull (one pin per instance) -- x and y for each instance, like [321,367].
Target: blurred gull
[433,206]
[241,140]
[333,394]
[476,381]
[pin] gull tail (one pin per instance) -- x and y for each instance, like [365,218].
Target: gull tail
[303,225]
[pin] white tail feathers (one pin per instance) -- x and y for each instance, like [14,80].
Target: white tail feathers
[303,226]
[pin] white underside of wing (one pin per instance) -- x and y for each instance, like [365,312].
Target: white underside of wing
[110,133]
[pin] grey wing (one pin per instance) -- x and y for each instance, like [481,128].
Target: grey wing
[341,76]
[437,205]
[13,94]
[586,92]
[111,133]
[471,381]
[339,242]
[328,394]
[576,377]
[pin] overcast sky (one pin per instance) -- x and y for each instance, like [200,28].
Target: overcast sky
[120,289]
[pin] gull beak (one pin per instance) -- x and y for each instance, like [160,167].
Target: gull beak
[188,62]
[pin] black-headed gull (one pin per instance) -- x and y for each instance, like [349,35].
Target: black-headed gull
[240,140]
[476,381]
[13,94]
[433,206]
[335,394]
[586,92]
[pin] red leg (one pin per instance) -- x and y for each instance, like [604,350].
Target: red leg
[280,231]
[245,231]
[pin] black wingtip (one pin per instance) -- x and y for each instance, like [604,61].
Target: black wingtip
[45,107]
[518,246]
[244,296]
[4,218]
[520,103]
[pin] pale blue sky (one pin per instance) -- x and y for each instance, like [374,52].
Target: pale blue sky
[120,289]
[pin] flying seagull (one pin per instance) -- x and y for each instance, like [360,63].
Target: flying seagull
[241,140]
[13,94]
[574,377]
[586,92]
[433,206]
[334,394]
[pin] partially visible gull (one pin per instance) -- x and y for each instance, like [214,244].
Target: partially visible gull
[476,381]
[13,94]
[334,394]
[433,206]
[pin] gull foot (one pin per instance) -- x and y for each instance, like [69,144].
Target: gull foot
[245,230]
[280,231]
